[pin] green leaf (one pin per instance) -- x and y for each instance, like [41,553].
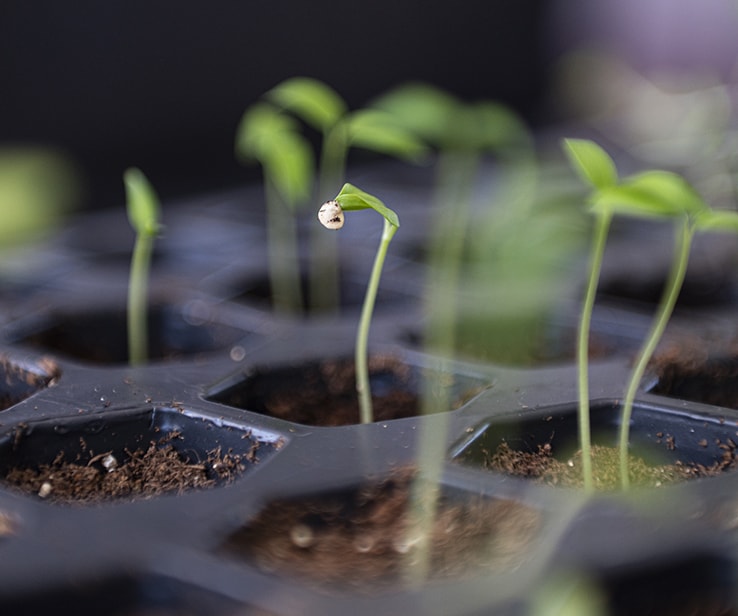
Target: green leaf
[425,110]
[591,162]
[651,194]
[288,165]
[260,124]
[379,131]
[142,203]
[717,220]
[352,198]
[311,100]
[499,127]
[267,135]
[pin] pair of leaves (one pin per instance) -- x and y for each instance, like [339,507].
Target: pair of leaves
[444,121]
[650,194]
[142,203]
[320,107]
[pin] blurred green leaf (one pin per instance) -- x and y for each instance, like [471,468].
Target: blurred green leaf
[288,162]
[352,198]
[380,132]
[650,194]
[268,136]
[142,203]
[38,186]
[311,100]
[593,165]
[717,220]
[423,109]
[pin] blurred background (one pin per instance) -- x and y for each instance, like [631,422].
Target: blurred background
[162,85]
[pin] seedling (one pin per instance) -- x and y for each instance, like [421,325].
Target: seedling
[331,215]
[273,139]
[651,194]
[144,215]
[321,108]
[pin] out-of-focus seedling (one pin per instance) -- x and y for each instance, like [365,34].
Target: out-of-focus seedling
[144,215]
[331,215]
[273,139]
[324,110]
[650,194]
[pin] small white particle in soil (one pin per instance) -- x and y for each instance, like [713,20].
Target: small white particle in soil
[302,535]
[45,489]
[110,463]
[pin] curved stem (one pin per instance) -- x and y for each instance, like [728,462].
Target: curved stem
[137,295]
[683,241]
[601,228]
[362,335]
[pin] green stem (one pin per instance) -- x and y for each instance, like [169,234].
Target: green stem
[324,273]
[601,228]
[284,271]
[683,242]
[137,296]
[362,335]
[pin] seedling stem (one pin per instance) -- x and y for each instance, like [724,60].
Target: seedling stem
[331,216]
[143,214]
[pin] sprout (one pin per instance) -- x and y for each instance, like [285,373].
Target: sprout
[331,215]
[143,214]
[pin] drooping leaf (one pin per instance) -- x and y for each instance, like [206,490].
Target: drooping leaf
[268,136]
[311,100]
[288,163]
[591,162]
[258,126]
[352,198]
[142,203]
[379,131]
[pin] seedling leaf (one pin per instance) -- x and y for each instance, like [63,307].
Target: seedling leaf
[267,135]
[593,165]
[424,109]
[380,132]
[352,198]
[142,203]
[720,220]
[313,101]
[651,194]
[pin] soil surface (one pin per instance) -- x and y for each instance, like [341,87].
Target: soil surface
[324,393]
[363,540]
[142,473]
[542,467]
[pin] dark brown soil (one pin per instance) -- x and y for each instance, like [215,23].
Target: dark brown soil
[542,467]
[361,540]
[324,393]
[143,473]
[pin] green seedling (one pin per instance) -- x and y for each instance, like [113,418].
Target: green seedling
[651,194]
[461,133]
[144,215]
[274,140]
[664,195]
[331,215]
[321,108]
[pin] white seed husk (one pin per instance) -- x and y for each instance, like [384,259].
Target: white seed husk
[331,215]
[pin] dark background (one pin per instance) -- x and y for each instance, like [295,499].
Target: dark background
[162,85]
